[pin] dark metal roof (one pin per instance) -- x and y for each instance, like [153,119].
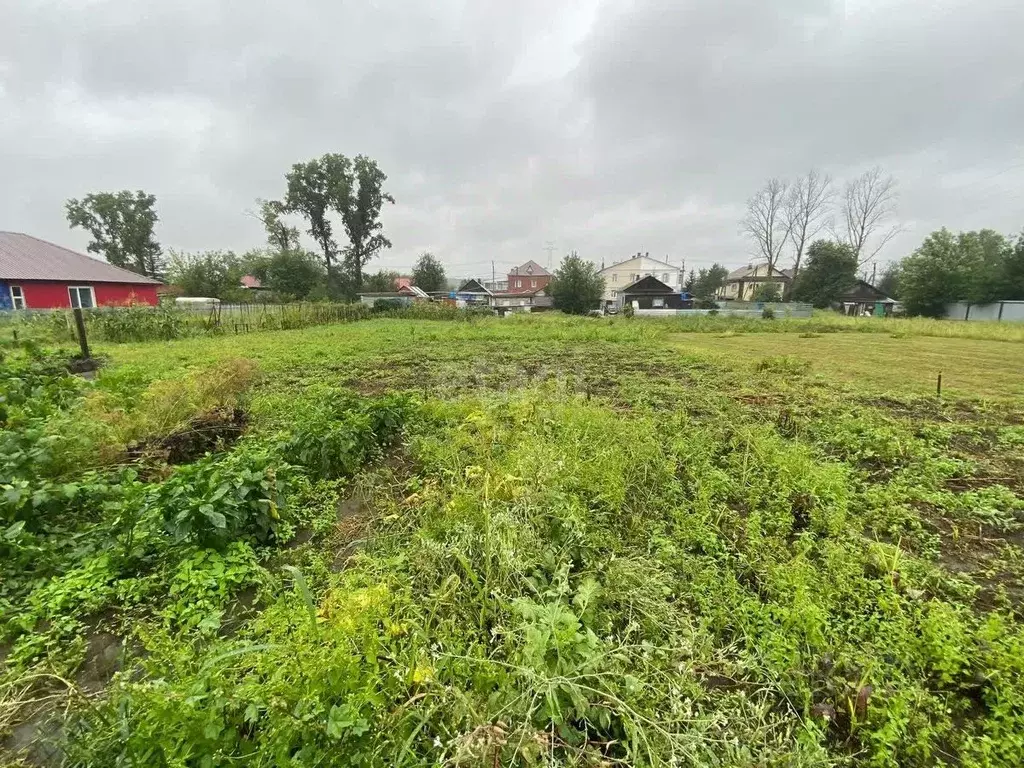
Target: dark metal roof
[862,290]
[473,286]
[23,257]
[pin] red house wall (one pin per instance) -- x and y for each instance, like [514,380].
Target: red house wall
[54,295]
[542,282]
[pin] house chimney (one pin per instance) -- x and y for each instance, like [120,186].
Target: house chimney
[647,254]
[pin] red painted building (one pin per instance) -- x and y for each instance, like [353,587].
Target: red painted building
[528,278]
[36,274]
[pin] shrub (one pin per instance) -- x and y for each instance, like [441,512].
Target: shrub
[333,438]
[221,498]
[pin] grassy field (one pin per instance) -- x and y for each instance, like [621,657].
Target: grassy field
[529,541]
[906,364]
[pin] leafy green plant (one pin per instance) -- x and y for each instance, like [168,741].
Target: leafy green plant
[221,498]
[205,581]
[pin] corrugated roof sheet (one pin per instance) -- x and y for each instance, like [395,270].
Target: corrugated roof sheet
[23,257]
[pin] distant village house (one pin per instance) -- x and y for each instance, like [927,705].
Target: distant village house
[626,273]
[741,284]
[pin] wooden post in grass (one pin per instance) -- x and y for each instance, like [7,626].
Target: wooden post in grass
[83,342]
[938,385]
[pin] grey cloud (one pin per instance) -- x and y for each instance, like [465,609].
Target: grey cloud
[605,127]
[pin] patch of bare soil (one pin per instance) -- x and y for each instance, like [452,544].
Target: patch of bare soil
[104,655]
[931,408]
[349,531]
[991,558]
[376,488]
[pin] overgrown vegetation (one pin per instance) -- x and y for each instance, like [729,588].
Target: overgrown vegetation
[530,541]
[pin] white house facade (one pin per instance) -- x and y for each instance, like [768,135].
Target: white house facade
[625,273]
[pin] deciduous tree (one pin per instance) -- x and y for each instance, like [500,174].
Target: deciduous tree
[889,282]
[766,222]
[866,214]
[831,270]
[280,235]
[428,274]
[767,292]
[576,286]
[293,274]
[989,251]
[351,189]
[360,213]
[806,211]
[381,282]
[121,225]
[215,274]
[940,271]
[1013,271]
[316,189]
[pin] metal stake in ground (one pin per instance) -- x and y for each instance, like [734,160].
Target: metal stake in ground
[83,342]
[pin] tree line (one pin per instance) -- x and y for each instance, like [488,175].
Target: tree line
[979,267]
[332,195]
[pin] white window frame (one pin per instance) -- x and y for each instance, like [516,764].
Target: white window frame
[17,302]
[72,297]
[657,303]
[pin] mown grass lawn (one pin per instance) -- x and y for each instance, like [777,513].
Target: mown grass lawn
[904,364]
[530,541]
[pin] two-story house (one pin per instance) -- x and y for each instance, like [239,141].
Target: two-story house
[625,273]
[529,277]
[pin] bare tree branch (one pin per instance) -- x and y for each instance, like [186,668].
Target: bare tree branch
[807,209]
[868,205]
[765,222]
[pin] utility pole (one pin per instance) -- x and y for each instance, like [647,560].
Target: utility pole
[492,275]
[874,268]
[549,246]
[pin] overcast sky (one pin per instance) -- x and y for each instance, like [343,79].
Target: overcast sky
[605,127]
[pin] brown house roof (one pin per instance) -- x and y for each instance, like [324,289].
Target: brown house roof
[531,269]
[23,257]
